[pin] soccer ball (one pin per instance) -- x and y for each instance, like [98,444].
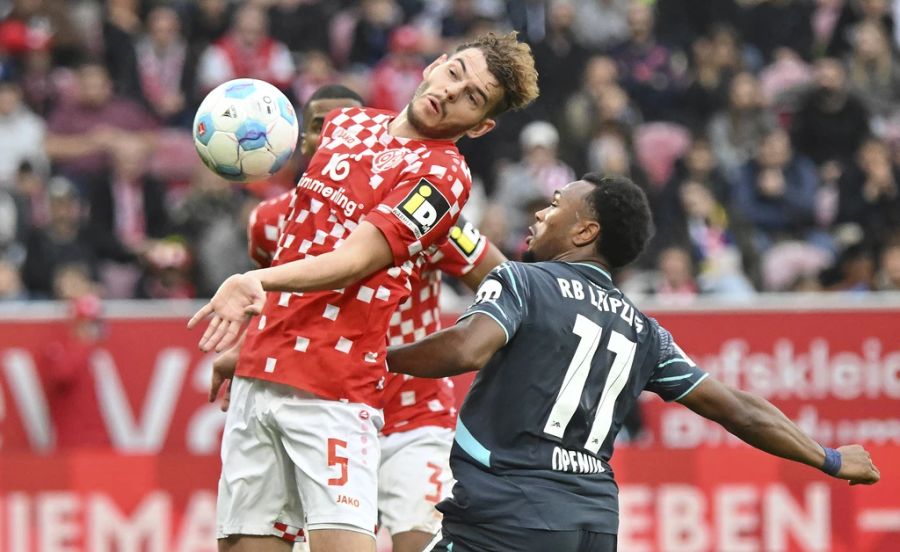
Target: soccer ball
[245,129]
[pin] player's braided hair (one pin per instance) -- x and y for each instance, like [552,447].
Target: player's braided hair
[623,211]
[512,64]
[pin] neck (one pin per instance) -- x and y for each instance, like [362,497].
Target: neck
[583,255]
[401,127]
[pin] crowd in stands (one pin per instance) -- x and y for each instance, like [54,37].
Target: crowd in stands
[765,132]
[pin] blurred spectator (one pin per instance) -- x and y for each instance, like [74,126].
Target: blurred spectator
[888,277]
[774,24]
[62,242]
[84,129]
[396,77]
[21,135]
[824,22]
[854,270]
[68,377]
[853,13]
[736,132]
[599,100]
[676,276]
[40,81]
[371,36]
[693,213]
[168,272]
[165,68]
[246,50]
[208,21]
[11,287]
[649,71]
[611,151]
[49,21]
[559,58]
[121,28]
[868,192]
[316,71]
[715,61]
[302,25]
[213,219]
[832,122]
[127,213]
[601,24]
[784,80]
[873,72]
[777,193]
[531,182]
[458,22]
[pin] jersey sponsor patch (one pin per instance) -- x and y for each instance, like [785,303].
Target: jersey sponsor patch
[466,238]
[422,208]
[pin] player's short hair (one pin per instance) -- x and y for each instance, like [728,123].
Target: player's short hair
[331,92]
[623,211]
[512,64]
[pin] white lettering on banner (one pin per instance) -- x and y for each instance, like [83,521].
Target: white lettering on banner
[56,521]
[786,373]
[198,527]
[109,530]
[682,429]
[743,517]
[70,522]
[682,518]
[782,516]
[25,386]
[18,523]
[159,403]
[738,522]
[635,518]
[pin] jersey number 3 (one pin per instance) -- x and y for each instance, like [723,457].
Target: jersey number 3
[576,376]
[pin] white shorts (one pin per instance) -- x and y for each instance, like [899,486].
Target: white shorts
[413,477]
[292,462]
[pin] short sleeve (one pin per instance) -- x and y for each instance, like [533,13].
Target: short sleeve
[501,296]
[418,213]
[464,249]
[675,374]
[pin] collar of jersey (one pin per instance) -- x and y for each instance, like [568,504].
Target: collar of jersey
[597,268]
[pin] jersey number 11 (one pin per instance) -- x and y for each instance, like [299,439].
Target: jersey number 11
[576,376]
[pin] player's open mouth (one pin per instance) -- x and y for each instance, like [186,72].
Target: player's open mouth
[434,104]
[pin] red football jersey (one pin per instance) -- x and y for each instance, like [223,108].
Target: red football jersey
[410,402]
[332,343]
[264,226]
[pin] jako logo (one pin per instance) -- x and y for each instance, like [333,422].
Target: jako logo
[422,208]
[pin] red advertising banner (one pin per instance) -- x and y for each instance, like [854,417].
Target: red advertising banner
[116,447]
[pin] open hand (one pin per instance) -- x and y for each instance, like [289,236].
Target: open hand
[237,299]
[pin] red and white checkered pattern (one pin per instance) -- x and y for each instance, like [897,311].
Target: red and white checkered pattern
[410,403]
[264,227]
[289,533]
[331,343]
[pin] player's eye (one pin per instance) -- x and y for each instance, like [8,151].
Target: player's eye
[472,99]
[452,73]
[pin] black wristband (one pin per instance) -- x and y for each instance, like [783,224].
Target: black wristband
[832,463]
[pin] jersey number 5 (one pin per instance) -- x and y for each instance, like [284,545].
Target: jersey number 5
[576,376]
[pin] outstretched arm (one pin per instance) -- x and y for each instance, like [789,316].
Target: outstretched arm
[759,423]
[465,347]
[365,251]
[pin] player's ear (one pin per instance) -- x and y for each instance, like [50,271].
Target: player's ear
[427,71]
[586,232]
[481,128]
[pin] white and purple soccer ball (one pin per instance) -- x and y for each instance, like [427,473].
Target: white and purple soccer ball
[245,130]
